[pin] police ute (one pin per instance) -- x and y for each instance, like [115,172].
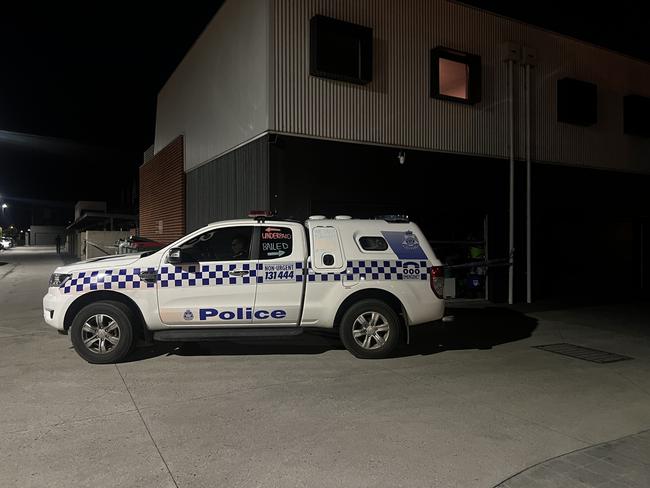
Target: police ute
[369,280]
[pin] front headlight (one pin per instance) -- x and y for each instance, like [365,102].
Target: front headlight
[57,279]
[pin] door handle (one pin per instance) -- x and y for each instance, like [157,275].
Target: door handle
[150,276]
[239,272]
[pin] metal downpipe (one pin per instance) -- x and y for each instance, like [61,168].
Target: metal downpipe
[529,293]
[511,150]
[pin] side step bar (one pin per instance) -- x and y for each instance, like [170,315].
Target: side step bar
[174,335]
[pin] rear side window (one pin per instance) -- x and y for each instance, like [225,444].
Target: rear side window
[275,242]
[373,243]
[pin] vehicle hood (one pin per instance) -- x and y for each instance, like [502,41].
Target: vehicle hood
[100,263]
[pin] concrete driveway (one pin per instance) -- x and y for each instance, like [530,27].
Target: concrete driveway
[470,405]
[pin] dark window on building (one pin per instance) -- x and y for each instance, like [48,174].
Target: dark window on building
[577,102]
[636,115]
[225,244]
[455,75]
[275,242]
[373,243]
[340,50]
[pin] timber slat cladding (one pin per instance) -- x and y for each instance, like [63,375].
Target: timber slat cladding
[162,194]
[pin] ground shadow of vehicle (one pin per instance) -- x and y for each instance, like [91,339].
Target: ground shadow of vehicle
[473,328]
[307,343]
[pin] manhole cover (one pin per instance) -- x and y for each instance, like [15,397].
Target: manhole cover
[584,353]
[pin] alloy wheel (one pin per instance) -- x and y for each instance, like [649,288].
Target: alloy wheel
[100,333]
[371,330]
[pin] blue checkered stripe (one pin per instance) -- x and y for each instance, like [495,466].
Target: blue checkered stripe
[375,270]
[109,279]
[220,274]
[206,275]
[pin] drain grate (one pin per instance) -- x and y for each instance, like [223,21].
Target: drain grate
[584,353]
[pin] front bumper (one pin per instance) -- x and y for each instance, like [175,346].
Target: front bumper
[53,309]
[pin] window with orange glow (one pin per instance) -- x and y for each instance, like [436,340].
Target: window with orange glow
[455,75]
[454,78]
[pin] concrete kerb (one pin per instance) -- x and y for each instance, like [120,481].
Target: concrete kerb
[508,482]
[6,268]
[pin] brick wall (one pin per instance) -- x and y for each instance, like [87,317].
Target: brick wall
[162,194]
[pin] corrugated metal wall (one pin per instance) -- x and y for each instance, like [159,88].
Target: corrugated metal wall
[217,97]
[162,194]
[395,108]
[230,186]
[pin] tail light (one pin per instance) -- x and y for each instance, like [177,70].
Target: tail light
[437,281]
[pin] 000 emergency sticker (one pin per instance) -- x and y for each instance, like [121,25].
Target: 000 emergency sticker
[411,270]
[279,272]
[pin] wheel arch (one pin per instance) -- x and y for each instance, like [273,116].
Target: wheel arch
[139,324]
[378,294]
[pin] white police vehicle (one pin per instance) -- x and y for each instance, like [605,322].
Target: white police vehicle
[370,279]
[6,243]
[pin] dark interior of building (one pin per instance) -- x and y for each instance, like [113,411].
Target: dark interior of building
[587,224]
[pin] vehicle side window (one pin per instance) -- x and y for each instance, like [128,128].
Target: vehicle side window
[275,242]
[225,244]
[373,243]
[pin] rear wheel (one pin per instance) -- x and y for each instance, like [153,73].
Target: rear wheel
[102,332]
[370,329]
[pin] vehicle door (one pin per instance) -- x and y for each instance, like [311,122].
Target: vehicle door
[215,284]
[282,255]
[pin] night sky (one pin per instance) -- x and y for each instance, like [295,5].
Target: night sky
[82,79]
[79,84]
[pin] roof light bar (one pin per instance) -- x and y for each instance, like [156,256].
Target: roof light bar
[260,215]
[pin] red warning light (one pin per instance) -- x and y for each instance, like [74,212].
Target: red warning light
[259,213]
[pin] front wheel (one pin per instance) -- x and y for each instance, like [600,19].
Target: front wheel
[370,329]
[102,332]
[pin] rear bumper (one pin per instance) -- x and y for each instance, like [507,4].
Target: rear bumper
[426,313]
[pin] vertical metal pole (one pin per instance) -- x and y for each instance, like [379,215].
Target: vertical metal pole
[486,256]
[642,263]
[511,143]
[529,294]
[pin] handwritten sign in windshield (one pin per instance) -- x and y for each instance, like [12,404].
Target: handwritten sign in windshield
[275,242]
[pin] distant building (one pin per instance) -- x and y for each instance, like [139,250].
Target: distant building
[369,107]
[45,235]
[95,231]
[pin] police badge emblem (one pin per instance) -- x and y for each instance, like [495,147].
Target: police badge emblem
[410,241]
[188,315]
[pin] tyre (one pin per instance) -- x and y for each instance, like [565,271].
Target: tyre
[370,329]
[102,332]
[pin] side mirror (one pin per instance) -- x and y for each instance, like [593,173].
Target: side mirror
[175,256]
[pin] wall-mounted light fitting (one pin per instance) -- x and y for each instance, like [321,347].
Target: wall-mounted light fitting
[510,51]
